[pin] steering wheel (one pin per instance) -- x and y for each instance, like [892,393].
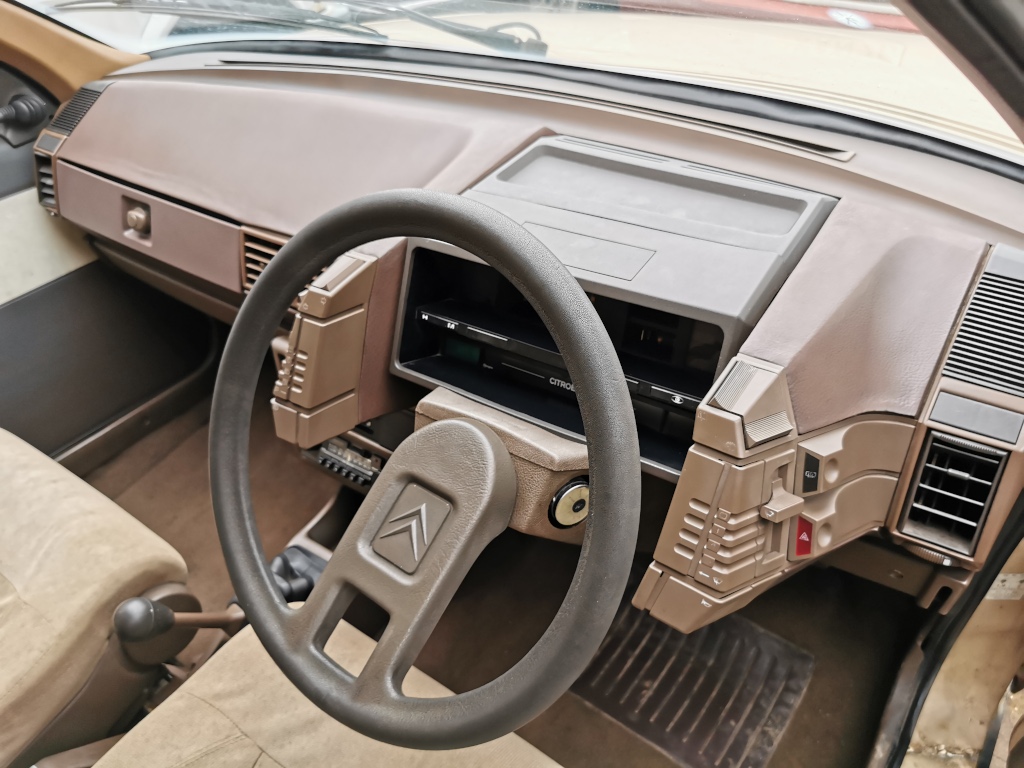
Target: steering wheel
[446,492]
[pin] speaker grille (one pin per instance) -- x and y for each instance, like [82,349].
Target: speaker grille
[71,114]
[989,347]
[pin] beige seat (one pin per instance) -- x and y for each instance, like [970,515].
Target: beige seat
[68,556]
[240,710]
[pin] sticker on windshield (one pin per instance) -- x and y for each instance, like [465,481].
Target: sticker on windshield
[849,18]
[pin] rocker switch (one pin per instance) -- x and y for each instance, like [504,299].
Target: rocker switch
[812,469]
[803,539]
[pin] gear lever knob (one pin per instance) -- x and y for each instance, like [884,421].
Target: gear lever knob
[140,618]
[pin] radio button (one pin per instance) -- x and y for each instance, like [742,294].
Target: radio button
[494,339]
[672,397]
[438,320]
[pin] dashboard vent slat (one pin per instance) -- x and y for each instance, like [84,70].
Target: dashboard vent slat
[952,492]
[270,249]
[71,114]
[989,346]
[44,182]
[258,248]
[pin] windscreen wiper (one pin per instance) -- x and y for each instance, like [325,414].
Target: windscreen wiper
[272,14]
[493,37]
[283,14]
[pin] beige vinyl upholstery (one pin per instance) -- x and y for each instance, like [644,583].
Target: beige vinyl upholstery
[68,556]
[240,711]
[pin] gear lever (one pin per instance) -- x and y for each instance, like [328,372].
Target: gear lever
[139,619]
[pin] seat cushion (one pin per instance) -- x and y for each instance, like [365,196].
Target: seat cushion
[240,710]
[68,556]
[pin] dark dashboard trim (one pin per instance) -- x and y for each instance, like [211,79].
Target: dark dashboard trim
[697,95]
[118,254]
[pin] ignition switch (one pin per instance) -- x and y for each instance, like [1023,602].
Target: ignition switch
[571,504]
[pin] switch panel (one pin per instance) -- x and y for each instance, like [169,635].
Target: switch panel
[745,515]
[861,446]
[315,394]
[722,537]
[842,514]
[323,357]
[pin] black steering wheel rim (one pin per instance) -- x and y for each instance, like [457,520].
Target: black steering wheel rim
[582,621]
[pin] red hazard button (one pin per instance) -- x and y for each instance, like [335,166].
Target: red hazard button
[804,537]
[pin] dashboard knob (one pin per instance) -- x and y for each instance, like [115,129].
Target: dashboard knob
[571,504]
[137,219]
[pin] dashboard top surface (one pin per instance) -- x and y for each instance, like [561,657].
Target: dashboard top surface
[670,206]
[196,127]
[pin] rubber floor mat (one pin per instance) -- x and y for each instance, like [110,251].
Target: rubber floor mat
[720,697]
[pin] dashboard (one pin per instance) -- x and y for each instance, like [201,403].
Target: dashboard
[813,327]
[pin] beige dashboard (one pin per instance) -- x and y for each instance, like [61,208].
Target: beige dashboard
[191,171]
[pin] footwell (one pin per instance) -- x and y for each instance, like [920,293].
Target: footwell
[720,697]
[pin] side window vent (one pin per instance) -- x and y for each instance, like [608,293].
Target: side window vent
[44,182]
[952,492]
[71,114]
[989,347]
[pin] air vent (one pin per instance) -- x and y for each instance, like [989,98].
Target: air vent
[989,347]
[71,114]
[44,182]
[953,489]
[258,248]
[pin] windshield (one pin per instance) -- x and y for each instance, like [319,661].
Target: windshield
[861,57]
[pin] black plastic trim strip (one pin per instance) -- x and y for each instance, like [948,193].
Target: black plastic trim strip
[685,93]
[944,633]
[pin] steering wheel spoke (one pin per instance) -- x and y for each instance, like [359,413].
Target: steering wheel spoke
[392,658]
[424,523]
[313,621]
